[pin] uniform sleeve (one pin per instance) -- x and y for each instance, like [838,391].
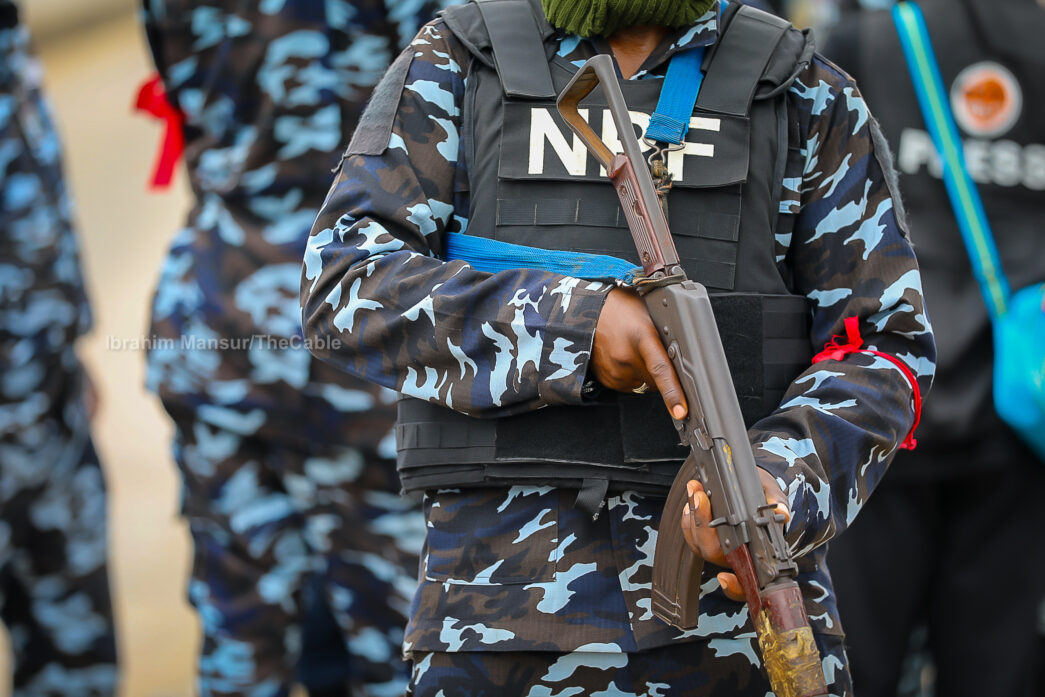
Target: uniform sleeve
[43,300]
[836,431]
[379,301]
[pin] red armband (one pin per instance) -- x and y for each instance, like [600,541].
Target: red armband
[835,350]
[152,99]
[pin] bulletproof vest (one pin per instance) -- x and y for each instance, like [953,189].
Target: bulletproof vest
[991,63]
[532,182]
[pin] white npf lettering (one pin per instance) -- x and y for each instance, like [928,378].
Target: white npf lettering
[543,128]
[676,158]
[574,157]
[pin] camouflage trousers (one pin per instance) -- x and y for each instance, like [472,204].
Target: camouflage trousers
[266,515]
[715,668]
[54,583]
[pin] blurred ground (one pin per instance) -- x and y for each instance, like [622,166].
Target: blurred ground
[92,72]
[49,18]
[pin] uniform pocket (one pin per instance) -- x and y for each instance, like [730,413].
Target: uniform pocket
[491,537]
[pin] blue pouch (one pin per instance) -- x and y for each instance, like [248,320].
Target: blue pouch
[1019,366]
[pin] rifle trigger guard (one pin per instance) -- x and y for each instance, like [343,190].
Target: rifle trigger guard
[775,517]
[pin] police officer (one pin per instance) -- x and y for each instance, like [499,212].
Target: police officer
[952,515]
[541,515]
[54,582]
[285,462]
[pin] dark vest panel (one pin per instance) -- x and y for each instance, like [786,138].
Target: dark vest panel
[999,99]
[532,182]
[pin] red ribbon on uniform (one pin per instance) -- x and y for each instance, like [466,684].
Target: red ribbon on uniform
[152,99]
[835,350]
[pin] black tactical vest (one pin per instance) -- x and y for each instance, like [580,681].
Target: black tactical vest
[532,182]
[991,63]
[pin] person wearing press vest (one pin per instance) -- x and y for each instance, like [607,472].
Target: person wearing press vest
[528,397]
[286,462]
[951,539]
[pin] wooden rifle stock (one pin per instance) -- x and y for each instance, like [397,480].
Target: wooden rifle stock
[720,454]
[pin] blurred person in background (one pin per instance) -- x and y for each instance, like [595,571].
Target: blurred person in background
[823,15]
[952,536]
[54,583]
[287,464]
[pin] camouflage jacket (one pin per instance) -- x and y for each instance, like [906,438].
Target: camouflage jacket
[43,306]
[519,569]
[269,93]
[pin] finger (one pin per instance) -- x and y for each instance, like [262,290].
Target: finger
[774,494]
[617,376]
[705,537]
[697,496]
[689,530]
[731,586]
[662,375]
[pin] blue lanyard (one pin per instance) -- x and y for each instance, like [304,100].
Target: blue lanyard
[493,256]
[964,195]
[678,96]
[670,122]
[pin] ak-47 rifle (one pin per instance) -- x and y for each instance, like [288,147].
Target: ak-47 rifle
[720,456]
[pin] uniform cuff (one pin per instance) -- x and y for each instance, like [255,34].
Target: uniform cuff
[568,342]
[808,522]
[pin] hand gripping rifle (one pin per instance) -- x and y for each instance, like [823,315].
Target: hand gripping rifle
[720,453]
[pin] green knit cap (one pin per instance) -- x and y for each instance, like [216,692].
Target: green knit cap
[607,17]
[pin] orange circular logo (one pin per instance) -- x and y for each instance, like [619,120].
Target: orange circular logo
[986,99]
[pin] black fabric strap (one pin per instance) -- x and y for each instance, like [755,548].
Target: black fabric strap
[592,496]
[739,59]
[375,126]
[423,429]
[558,211]
[518,49]
[653,481]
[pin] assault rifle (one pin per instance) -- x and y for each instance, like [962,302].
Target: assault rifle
[749,530]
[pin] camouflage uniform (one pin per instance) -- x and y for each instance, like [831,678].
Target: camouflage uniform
[54,586]
[286,463]
[520,569]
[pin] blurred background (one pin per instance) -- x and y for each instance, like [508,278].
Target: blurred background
[94,58]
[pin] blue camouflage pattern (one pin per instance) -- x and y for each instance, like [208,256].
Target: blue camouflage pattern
[520,569]
[281,514]
[287,464]
[54,584]
[722,667]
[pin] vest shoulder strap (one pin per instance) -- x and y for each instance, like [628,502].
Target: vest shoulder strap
[508,36]
[746,51]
